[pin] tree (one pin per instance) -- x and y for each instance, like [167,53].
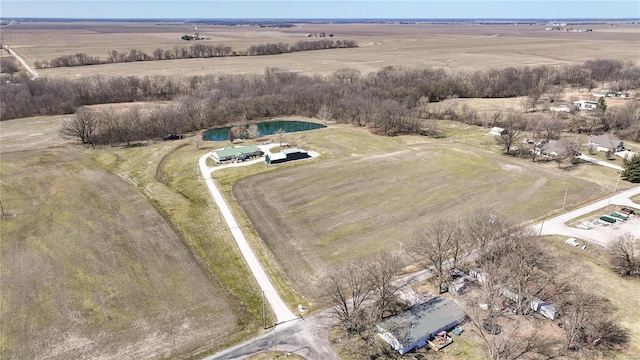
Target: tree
[280,134]
[9,66]
[587,320]
[82,126]
[631,170]
[513,125]
[324,113]
[602,104]
[252,131]
[385,291]
[441,247]
[549,127]
[624,252]
[348,290]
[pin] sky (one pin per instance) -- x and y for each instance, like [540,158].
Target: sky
[230,9]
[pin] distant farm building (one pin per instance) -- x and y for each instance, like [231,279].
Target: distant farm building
[585,104]
[560,108]
[287,155]
[414,327]
[497,131]
[231,153]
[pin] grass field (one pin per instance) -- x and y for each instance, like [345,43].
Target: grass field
[91,269]
[376,191]
[450,46]
[595,273]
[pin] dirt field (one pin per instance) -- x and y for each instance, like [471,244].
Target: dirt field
[450,46]
[377,191]
[89,268]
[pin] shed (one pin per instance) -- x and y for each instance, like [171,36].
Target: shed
[497,131]
[287,155]
[412,328]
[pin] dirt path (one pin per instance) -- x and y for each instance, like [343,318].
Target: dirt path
[24,63]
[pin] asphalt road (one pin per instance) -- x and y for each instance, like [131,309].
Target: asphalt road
[557,226]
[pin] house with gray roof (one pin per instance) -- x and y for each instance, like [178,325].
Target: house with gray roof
[605,142]
[412,328]
[235,153]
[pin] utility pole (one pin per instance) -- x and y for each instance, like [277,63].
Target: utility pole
[1,208]
[565,198]
[264,319]
[274,338]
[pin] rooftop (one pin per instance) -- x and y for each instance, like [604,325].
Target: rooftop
[420,320]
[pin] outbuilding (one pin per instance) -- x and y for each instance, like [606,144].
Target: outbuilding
[412,328]
[497,131]
[230,153]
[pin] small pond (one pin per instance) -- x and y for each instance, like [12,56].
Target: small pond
[264,128]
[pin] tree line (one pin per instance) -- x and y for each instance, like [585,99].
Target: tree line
[193,51]
[391,101]
[512,264]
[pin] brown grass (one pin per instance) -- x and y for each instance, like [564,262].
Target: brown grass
[461,46]
[377,190]
[89,268]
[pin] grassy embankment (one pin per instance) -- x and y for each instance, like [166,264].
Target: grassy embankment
[185,201]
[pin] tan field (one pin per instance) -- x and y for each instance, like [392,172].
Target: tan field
[119,252]
[450,46]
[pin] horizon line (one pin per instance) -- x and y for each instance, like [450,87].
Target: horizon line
[320,18]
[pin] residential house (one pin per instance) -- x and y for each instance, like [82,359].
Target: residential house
[414,327]
[585,104]
[605,142]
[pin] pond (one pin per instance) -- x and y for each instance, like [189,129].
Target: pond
[264,128]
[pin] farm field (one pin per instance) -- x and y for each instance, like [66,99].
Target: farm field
[90,268]
[376,191]
[462,46]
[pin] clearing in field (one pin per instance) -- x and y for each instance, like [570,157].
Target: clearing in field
[378,191]
[90,269]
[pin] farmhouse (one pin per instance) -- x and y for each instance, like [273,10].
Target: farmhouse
[585,104]
[552,149]
[605,142]
[230,153]
[412,328]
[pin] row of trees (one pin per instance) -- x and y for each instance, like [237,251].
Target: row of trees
[510,259]
[391,100]
[194,51]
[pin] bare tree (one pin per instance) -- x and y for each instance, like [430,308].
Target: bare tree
[9,66]
[549,127]
[513,124]
[382,271]
[587,320]
[625,255]
[348,290]
[280,134]
[442,248]
[252,131]
[82,126]
[324,113]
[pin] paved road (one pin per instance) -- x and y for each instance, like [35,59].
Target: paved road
[24,63]
[556,225]
[308,338]
[282,312]
[599,162]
